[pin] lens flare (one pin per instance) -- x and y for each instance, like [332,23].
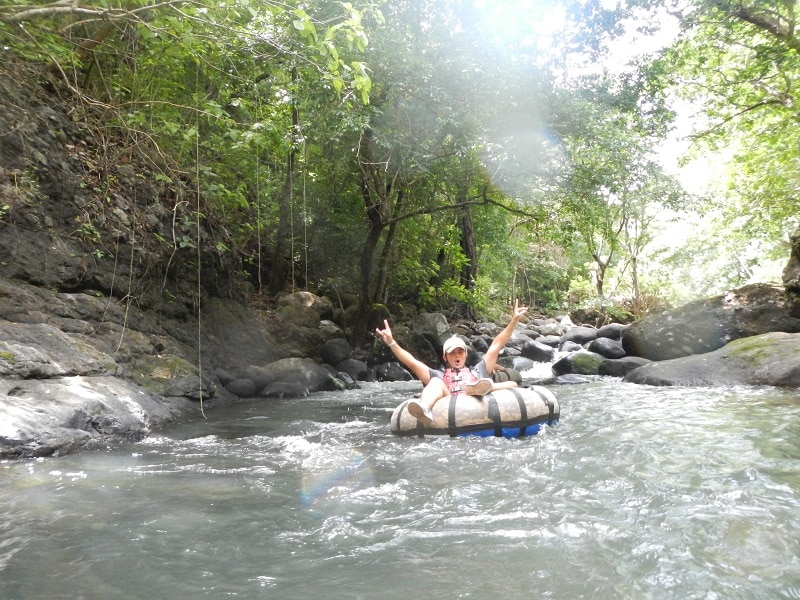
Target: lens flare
[329,482]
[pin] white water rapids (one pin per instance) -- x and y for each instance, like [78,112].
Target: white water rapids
[638,492]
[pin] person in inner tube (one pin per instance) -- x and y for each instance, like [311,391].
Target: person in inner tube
[456,378]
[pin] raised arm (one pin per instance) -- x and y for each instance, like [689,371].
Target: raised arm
[490,358]
[416,366]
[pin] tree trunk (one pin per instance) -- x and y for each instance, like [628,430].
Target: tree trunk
[376,192]
[791,276]
[382,278]
[366,263]
[600,273]
[470,269]
[282,260]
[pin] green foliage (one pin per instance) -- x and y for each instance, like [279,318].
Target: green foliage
[482,146]
[737,62]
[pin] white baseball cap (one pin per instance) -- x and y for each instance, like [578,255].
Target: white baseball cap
[453,343]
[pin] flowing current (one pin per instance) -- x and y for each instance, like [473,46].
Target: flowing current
[638,492]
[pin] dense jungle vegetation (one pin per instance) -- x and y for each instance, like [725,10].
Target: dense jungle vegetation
[452,153]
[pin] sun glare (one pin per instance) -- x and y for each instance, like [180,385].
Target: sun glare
[522,23]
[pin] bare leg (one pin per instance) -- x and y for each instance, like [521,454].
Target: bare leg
[431,393]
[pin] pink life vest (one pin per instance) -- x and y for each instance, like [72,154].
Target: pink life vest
[456,379]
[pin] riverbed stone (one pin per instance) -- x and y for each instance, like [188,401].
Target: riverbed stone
[619,367]
[321,305]
[768,359]
[607,347]
[537,351]
[284,389]
[392,371]
[709,324]
[334,351]
[357,369]
[242,387]
[59,415]
[580,335]
[303,371]
[612,330]
[580,363]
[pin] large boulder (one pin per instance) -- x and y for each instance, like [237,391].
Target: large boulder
[299,315]
[234,337]
[580,335]
[334,351]
[356,369]
[392,371]
[57,415]
[709,324]
[612,330]
[302,371]
[433,327]
[321,305]
[768,359]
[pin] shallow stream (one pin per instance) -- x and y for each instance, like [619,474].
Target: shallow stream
[638,492]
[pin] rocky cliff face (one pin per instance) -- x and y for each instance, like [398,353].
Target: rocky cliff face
[80,212]
[100,293]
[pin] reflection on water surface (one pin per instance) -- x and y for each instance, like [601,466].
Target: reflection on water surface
[639,492]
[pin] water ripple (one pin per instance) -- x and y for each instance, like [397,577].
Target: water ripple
[638,492]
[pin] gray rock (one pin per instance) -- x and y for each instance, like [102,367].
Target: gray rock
[300,315]
[550,340]
[302,371]
[518,363]
[261,376]
[243,388]
[580,363]
[537,351]
[224,376]
[392,371]
[188,385]
[612,330]
[619,367]
[334,351]
[709,324]
[433,327]
[321,305]
[284,389]
[579,335]
[349,382]
[768,359]
[570,346]
[549,327]
[357,369]
[41,417]
[606,347]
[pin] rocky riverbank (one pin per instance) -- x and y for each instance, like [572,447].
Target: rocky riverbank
[80,371]
[111,328]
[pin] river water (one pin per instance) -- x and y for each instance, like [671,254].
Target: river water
[638,492]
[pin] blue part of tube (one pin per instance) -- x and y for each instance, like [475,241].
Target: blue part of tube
[508,432]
